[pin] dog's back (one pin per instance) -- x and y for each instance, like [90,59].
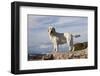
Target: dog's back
[60,38]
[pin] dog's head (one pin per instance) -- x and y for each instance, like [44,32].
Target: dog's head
[51,30]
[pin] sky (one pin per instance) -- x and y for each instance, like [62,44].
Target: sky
[38,39]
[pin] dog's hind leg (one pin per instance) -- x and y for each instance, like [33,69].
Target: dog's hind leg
[70,43]
[72,48]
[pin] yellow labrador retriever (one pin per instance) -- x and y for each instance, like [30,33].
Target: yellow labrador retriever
[61,38]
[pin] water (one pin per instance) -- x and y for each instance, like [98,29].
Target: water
[45,50]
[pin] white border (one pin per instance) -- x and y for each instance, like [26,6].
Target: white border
[26,65]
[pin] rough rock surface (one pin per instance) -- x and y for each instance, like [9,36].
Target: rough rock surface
[80,52]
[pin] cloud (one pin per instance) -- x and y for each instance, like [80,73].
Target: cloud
[40,22]
[71,21]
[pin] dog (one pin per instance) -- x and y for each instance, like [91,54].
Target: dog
[61,38]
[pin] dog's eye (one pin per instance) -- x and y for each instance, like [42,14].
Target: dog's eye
[51,32]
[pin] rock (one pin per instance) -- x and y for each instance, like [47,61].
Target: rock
[48,57]
[80,46]
[81,52]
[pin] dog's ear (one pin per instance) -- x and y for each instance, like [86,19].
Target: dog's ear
[53,29]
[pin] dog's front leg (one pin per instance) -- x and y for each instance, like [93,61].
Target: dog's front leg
[55,47]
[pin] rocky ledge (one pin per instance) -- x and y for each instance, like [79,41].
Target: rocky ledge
[80,52]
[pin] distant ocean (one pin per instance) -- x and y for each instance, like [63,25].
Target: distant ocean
[44,50]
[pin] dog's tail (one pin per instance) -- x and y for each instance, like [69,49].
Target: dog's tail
[76,35]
